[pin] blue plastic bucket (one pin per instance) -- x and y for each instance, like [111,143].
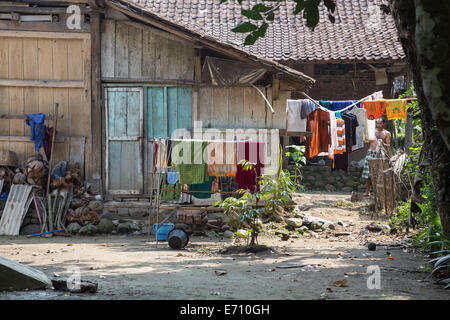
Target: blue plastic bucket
[163,231]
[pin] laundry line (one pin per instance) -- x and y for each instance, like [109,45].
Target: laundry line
[353,104]
[343,109]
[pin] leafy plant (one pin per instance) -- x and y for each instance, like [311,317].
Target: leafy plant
[298,156]
[244,209]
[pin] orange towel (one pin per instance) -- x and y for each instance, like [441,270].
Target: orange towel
[395,109]
[374,109]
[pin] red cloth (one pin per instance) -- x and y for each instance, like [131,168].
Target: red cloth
[253,152]
[318,124]
[48,142]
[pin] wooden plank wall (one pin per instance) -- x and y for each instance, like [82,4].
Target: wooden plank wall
[240,107]
[134,51]
[27,57]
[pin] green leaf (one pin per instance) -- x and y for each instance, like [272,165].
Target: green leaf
[245,27]
[250,39]
[254,15]
[260,8]
[421,235]
[300,6]
[270,16]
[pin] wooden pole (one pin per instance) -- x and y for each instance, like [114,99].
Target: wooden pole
[50,214]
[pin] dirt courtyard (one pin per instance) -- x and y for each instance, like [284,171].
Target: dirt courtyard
[300,268]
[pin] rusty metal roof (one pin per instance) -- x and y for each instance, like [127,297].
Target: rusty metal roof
[16,207]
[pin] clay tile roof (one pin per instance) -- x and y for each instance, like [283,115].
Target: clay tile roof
[361,30]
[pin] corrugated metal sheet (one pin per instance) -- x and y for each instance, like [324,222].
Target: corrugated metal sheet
[16,207]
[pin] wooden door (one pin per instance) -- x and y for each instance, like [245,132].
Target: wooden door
[169,108]
[124,135]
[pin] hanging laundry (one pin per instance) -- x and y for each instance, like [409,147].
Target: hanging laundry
[341,160]
[369,133]
[253,152]
[340,130]
[354,125]
[306,108]
[205,186]
[173,177]
[222,159]
[374,109]
[192,166]
[396,109]
[361,117]
[333,136]
[294,120]
[337,105]
[36,123]
[48,141]
[169,193]
[318,124]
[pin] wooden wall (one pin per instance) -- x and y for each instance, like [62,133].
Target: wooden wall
[38,69]
[135,51]
[240,107]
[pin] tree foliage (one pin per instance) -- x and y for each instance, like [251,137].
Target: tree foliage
[264,12]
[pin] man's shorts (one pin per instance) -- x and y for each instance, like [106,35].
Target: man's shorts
[371,154]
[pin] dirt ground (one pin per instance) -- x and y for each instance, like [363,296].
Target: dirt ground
[301,268]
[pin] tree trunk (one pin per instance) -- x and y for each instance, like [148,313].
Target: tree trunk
[423,30]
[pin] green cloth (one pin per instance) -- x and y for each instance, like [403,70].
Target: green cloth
[196,171]
[169,195]
[205,186]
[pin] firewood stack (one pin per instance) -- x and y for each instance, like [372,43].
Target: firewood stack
[36,171]
[72,178]
[197,222]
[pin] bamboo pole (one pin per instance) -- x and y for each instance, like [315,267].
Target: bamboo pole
[50,213]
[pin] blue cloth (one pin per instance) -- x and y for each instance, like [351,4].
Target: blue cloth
[4,196]
[36,123]
[59,170]
[337,105]
[307,106]
[173,177]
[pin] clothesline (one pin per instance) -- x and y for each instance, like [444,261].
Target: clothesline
[200,140]
[353,104]
[348,107]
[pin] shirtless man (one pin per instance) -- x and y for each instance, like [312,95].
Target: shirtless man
[383,138]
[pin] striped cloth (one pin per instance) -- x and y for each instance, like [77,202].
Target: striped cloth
[371,154]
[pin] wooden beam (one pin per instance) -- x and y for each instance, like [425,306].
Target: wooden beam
[275,87]
[58,26]
[52,2]
[41,10]
[23,116]
[96,98]
[149,81]
[46,35]
[58,139]
[198,66]
[42,83]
